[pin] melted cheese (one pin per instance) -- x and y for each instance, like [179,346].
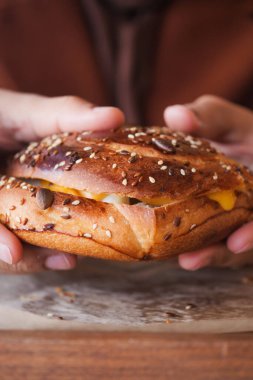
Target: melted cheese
[67,190]
[225,198]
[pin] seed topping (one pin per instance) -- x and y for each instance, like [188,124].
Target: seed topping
[44,198]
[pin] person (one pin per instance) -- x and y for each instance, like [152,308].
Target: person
[140,56]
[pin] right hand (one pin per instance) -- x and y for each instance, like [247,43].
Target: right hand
[230,129]
[28,117]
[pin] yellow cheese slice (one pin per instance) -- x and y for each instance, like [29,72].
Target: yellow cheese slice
[68,190]
[225,198]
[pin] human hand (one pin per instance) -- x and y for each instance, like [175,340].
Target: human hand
[230,127]
[27,117]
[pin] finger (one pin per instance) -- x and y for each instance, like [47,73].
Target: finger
[242,239]
[212,117]
[26,117]
[240,152]
[61,261]
[197,259]
[217,255]
[11,250]
[181,118]
[36,259]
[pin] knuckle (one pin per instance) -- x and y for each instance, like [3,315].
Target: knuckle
[208,99]
[72,101]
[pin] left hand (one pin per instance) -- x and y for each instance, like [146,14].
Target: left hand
[28,117]
[230,127]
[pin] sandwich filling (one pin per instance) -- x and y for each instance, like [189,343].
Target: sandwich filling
[225,198]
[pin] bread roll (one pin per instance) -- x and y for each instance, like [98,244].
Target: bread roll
[133,194]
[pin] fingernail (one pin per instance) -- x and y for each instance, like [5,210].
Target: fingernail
[243,248]
[192,262]
[182,116]
[5,254]
[60,262]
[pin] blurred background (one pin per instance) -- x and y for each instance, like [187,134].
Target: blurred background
[140,55]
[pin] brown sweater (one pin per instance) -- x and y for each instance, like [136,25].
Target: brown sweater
[141,60]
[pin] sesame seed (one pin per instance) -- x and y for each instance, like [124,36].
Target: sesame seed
[87,235]
[182,171]
[167,236]
[160,162]
[193,226]
[187,210]
[66,209]
[138,134]
[174,142]
[86,148]
[130,136]
[62,163]
[124,152]
[56,143]
[151,179]
[22,158]
[177,221]
[86,133]
[193,170]
[94,226]
[16,156]
[56,166]
[25,220]
[114,166]
[132,159]
[124,182]
[75,203]
[18,219]
[133,154]
[111,218]
[79,161]
[65,216]
[68,154]
[92,155]
[108,233]
[215,176]
[164,167]
[123,174]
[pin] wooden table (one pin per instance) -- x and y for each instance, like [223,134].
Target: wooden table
[111,321]
[91,355]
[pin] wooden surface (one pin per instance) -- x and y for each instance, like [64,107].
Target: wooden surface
[115,321]
[114,356]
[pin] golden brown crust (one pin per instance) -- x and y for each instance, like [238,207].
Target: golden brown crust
[134,161]
[119,232]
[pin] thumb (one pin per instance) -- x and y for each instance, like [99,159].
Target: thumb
[211,117]
[182,118]
[25,117]
[11,250]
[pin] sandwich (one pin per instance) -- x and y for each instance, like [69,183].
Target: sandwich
[131,194]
